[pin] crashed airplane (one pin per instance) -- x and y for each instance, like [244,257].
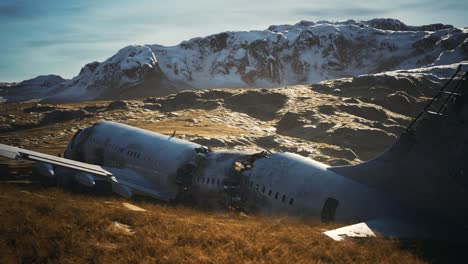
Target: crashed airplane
[416,189]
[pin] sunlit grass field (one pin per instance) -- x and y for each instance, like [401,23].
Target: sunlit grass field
[45,224]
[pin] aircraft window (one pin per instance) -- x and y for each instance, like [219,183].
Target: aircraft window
[291,201]
[276,195]
[263,189]
[138,156]
[283,199]
[218,183]
[212,181]
[269,193]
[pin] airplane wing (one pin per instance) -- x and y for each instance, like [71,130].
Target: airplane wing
[19,153]
[125,182]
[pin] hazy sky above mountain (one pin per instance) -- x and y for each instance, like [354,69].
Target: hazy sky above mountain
[59,37]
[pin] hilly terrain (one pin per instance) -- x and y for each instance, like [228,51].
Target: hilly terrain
[338,122]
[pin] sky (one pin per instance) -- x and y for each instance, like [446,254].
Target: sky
[40,37]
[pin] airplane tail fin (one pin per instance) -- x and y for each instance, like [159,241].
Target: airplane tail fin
[427,167]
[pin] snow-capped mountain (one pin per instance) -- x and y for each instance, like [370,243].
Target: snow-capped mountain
[304,53]
[38,87]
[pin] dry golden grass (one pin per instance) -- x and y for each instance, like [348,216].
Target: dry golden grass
[50,225]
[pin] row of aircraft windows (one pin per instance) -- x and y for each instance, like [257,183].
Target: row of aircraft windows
[133,154]
[130,153]
[270,192]
[208,180]
[119,149]
[94,140]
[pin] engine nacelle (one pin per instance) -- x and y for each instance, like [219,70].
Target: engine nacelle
[45,169]
[122,190]
[85,179]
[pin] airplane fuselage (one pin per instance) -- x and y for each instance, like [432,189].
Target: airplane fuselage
[278,183]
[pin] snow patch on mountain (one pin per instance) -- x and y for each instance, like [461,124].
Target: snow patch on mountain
[128,68]
[309,52]
[434,72]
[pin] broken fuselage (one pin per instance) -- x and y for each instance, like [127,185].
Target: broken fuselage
[278,183]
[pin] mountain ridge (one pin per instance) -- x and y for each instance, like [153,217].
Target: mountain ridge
[304,53]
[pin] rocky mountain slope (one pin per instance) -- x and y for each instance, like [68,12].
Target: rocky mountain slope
[304,53]
[338,122]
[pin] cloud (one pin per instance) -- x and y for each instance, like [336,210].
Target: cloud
[28,10]
[349,12]
[73,39]
[447,5]
[15,10]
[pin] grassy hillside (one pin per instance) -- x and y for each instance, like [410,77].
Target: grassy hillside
[42,224]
